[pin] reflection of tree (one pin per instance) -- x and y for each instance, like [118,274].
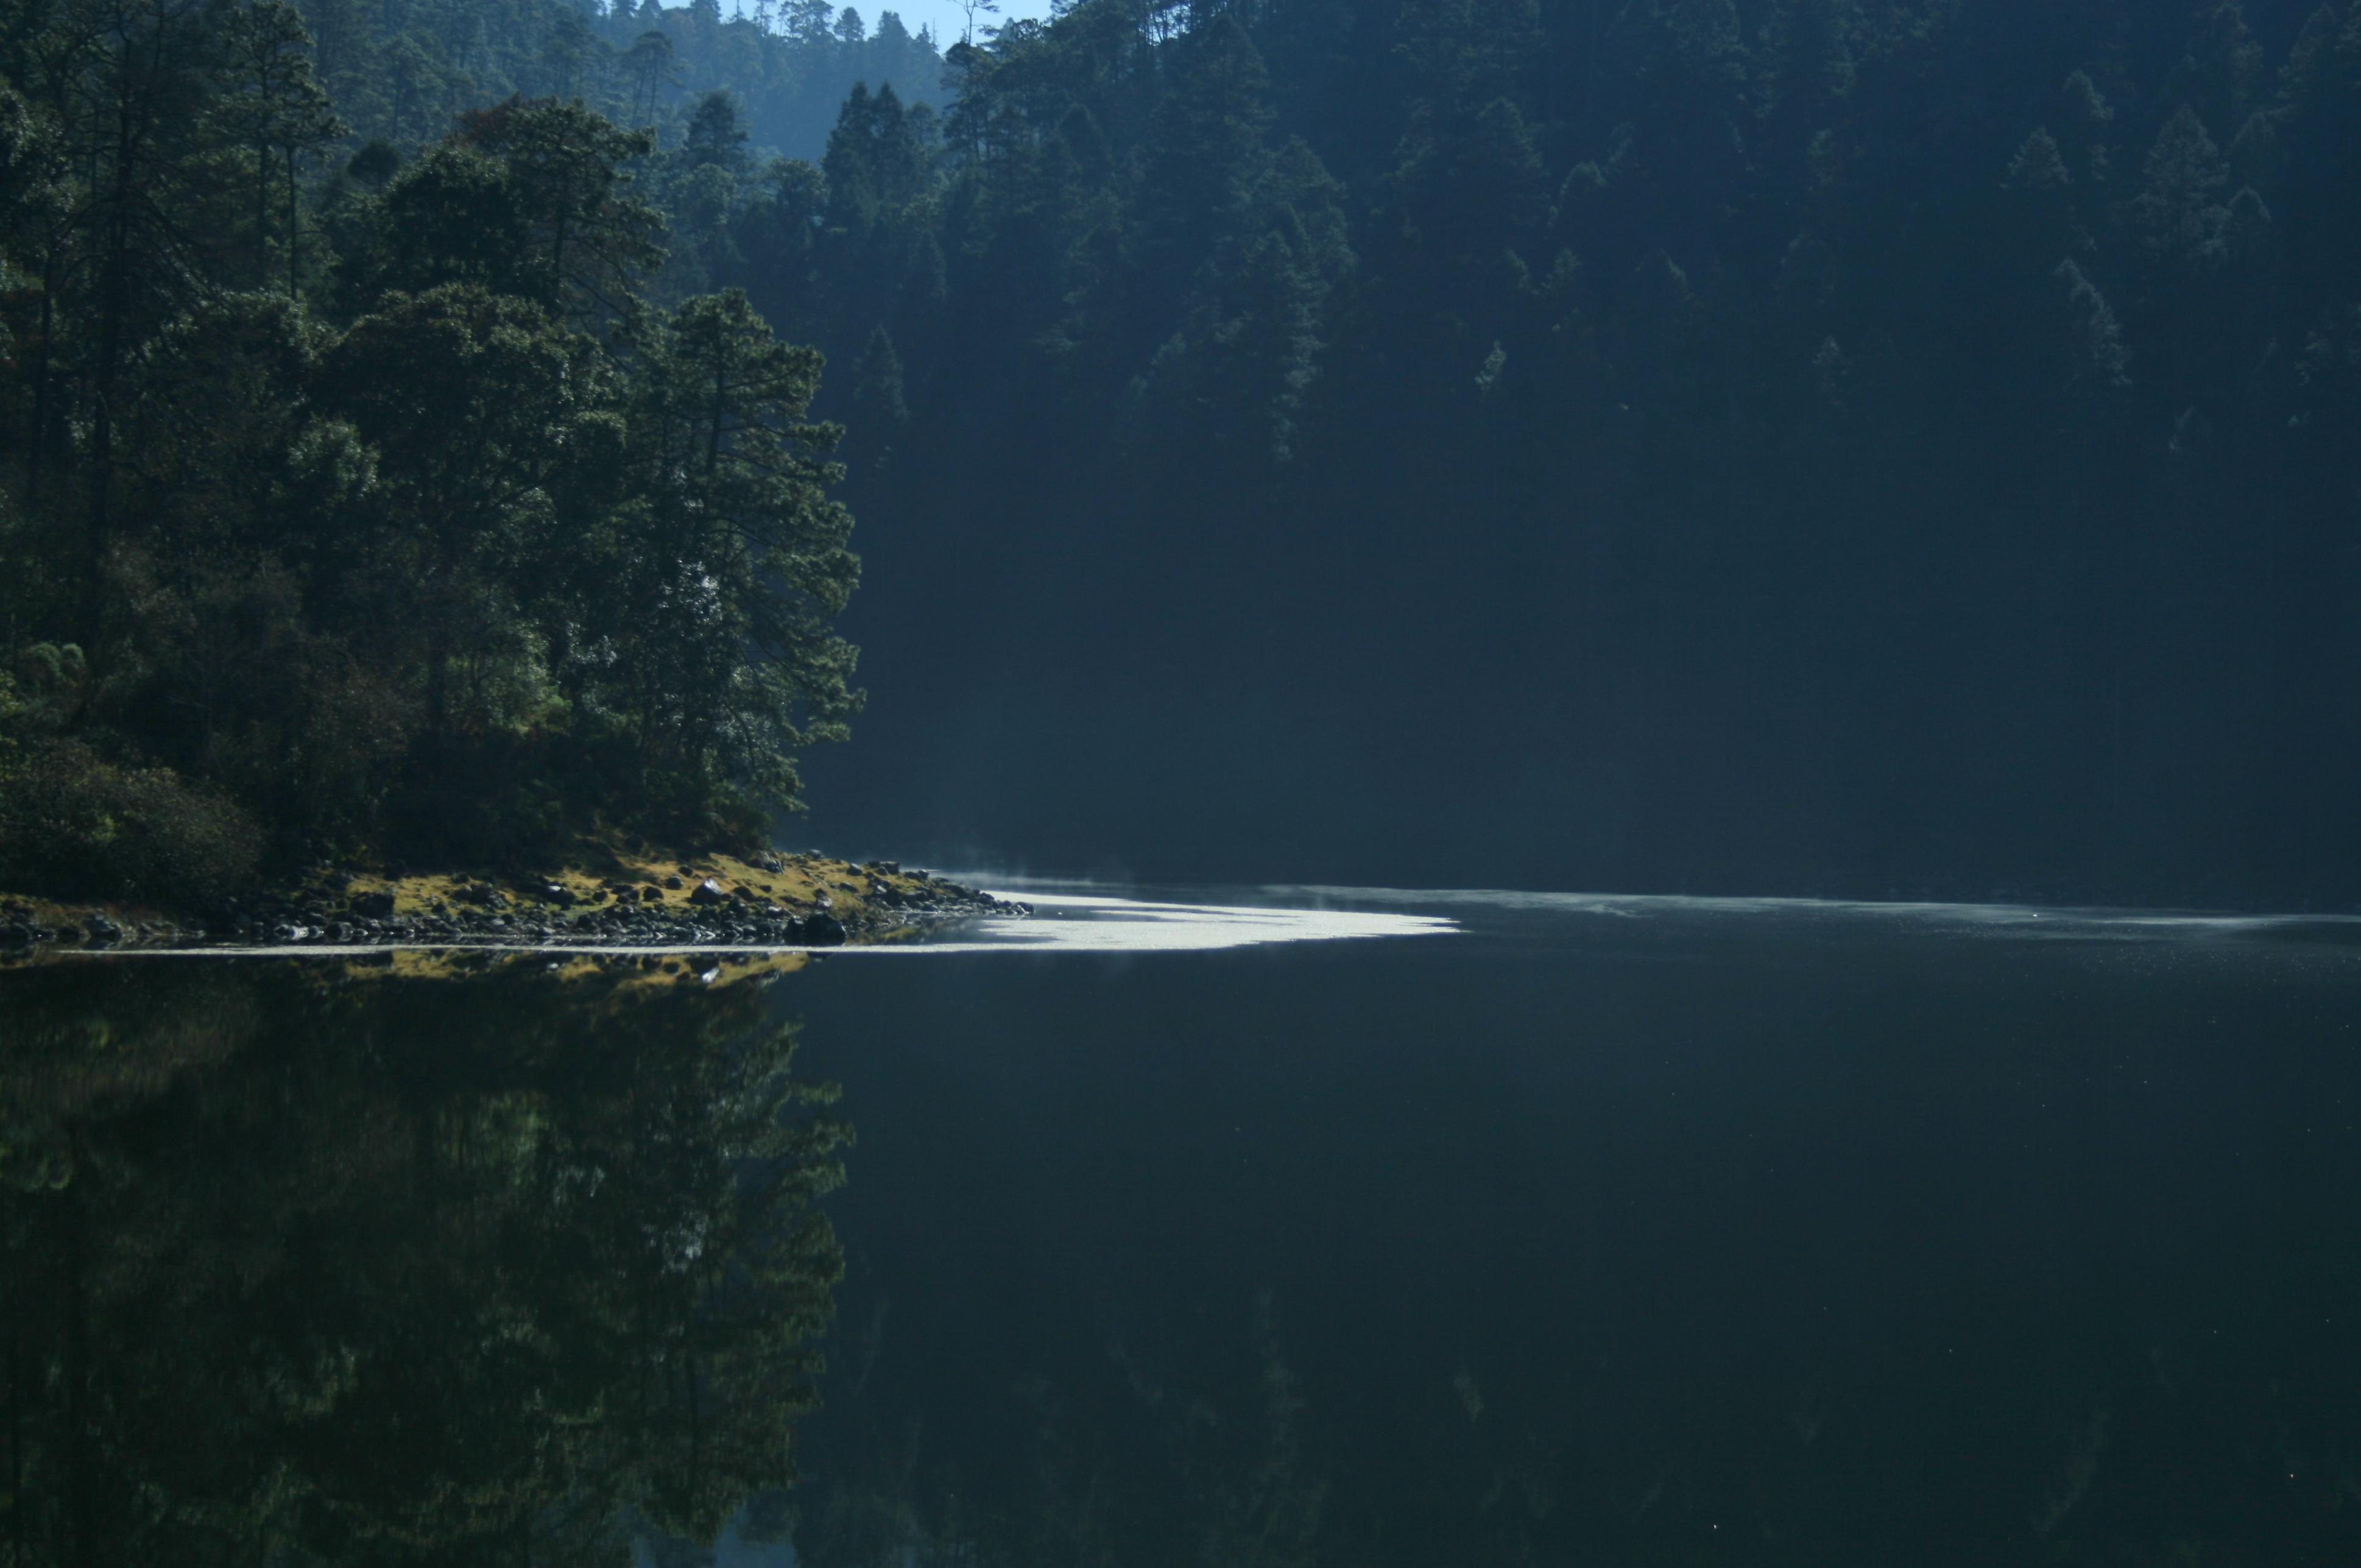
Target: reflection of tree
[1134,1461]
[400,1270]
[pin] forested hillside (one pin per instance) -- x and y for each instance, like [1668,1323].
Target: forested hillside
[1844,446]
[1782,445]
[402,69]
[395,501]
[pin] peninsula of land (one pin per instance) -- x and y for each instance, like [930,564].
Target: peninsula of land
[609,893]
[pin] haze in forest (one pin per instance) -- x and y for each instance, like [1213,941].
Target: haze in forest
[1863,447]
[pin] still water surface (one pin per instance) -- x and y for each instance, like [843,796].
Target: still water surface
[1415,1228]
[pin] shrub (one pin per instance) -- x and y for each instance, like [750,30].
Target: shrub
[73,825]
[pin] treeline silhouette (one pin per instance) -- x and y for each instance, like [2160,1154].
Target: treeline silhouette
[1856,446]
[1843,445]
[400,70]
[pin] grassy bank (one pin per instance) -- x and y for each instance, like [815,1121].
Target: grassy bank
[609,890]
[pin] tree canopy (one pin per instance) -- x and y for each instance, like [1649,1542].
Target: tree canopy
[445,533]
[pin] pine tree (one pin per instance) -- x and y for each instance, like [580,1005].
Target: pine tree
[278,112]
[1205,147]
[880,414]
[2087,117]
[2038,166]
[2040,208]
[745,561]
[533,200]
[473,401]
[2223,70]
[2179,206]
[2095,360]
[650,64]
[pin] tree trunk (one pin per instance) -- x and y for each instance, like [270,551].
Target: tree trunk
[294,231]
[37,449]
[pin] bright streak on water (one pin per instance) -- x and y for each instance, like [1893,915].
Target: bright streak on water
[1931,917]
[1061,923]
[1072,922]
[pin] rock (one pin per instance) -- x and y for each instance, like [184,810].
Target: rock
[100,930]
[376,906]
[819,931]
[675,884]
[708,891]
[557,893]
[891,868]
[770,862]
[16,936]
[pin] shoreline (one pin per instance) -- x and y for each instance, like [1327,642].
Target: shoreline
[608,899]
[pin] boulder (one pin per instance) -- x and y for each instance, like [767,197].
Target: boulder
[375,905]
[819,931]
[708,891]
[102,931]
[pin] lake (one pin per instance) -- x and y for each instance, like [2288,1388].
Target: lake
[1269,1226]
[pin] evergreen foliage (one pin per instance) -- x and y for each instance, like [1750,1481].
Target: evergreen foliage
[378,513]
[403,72]
[1623,382]
[1754,431]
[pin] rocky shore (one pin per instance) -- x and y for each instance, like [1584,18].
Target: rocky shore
[619,898]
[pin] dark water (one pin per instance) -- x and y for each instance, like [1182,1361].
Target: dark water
[1599,1232]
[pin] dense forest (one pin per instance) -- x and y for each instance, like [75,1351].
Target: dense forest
[403,71]
[1787,445]
[380,499]
[1717,445]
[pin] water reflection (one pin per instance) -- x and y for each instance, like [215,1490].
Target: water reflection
[315,1264]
